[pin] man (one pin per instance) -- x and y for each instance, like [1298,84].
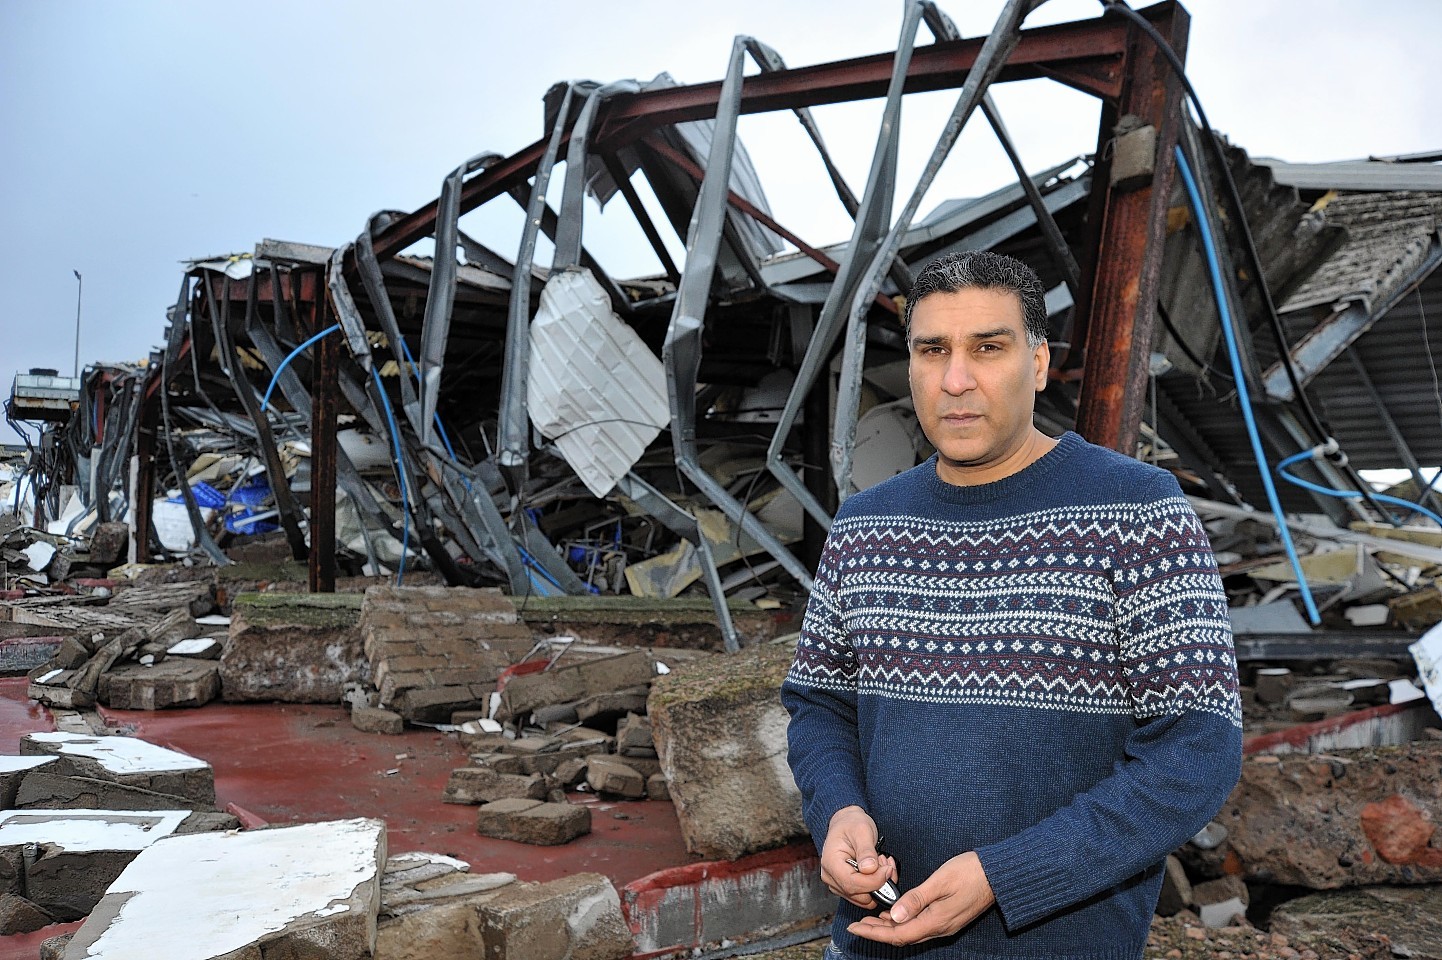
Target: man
[1016,664]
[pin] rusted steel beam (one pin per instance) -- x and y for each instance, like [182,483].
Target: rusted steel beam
[324,390]
[1080,52]
[1128,256]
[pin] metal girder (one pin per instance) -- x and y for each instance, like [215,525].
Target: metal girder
[682,351]
[872,220]
[286,506]
[178,321]
[1329,339]
[1399,442]
[320,567]
[1128,256]
[995,49]
[683,524]
[1323,645]
[441,295]
[1074,49]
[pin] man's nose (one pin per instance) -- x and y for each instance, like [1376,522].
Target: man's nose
[958,377]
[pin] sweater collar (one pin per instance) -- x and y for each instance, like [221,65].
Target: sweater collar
[1043,468]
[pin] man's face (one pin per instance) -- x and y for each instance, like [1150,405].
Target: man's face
[974,381]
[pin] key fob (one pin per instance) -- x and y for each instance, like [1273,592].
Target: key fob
[887,895]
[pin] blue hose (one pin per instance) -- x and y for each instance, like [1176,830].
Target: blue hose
[1344,494]
[265,401]
[1243,397]
[400,475]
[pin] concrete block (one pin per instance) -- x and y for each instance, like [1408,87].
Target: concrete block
[720,732]
[172,683]
[26,653]
[70,654]
[531,821]
[1176,894]
[308,891]
[430,907]
[483,785]
[633,737]
[12,869]
[1218,901]
[293,648]
[609,776]
[46,791]
[109,542]
[436,704]
[569,773]
[645,766]
[125,760]
[13,771]
[80,852]
[689,909]
[657,788]
[375,720]
[50,689]
[18,915]
[576,681]
[574,918]
[609,707]
[196,648]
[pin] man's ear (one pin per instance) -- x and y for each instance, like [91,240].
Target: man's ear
[1042,360]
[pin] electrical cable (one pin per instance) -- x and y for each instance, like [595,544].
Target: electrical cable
[400,464]
[265,401]
[1243,398]
[1326,449]
[1206,368]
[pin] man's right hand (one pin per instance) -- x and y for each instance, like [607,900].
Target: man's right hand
[852,836]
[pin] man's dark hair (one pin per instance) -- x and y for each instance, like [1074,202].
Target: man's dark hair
[987,271]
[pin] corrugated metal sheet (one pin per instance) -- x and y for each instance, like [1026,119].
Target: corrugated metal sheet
[1357,175]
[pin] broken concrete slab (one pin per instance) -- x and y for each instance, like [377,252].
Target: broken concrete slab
[172,683]
[689,909]
[607,775]
[80,852]
[483,785]
[197,648]
[1342,819]
[375,720]
[292,648]
[720,731]
[633,737]
[680,623]
[1176,894]
[430,907]
[19,915]
[576,681]
[1346,923]
[46,791]
[608,709]
[125,760]
[311,890]
[109,542]
[534,822]
[574,918]
[13,771]
[53,689]
[657,788]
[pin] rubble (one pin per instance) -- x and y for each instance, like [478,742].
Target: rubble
[1379,921]
[720,734]
[292,648]
[533,821]
[576,918]
[310,890]
[430,907]
[126,761]
[158,686]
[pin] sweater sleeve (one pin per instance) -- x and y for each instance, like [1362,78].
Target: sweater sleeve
[820,694]
[1183,757]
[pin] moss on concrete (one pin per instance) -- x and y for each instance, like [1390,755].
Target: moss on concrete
[320,610]
[262,572]
[754,673]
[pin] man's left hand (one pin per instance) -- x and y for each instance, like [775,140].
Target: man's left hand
[952,897]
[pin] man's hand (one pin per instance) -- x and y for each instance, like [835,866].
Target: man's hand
[952,897]
[852,836]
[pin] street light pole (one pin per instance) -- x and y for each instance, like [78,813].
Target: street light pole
[79,287]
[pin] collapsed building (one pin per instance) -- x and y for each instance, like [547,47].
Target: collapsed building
[477,418]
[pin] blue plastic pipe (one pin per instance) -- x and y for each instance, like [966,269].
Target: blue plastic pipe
[1243,396]
[1344,494]
[265,401]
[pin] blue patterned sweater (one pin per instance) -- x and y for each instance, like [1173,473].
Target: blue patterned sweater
[1038,669]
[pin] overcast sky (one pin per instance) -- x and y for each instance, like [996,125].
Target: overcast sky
[142,134]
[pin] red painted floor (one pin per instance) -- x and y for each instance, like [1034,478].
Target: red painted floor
[296,763]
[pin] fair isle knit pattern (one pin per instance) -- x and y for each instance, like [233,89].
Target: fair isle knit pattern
[1069,616]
